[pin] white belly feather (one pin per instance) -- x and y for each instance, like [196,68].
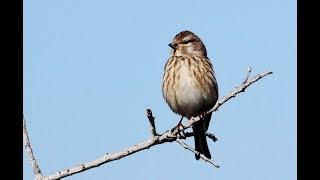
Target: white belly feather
[188,95]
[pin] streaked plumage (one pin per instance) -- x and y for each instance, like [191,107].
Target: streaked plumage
[189,85]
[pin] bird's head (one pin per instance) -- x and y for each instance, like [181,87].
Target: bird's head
[187,43]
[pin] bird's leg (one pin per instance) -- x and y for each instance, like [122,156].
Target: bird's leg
[179,130]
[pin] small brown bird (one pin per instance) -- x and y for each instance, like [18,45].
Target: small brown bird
[189,85]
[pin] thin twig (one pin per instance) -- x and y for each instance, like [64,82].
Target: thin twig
[209,135]
[28,148]
[151,122]
[238,90]
[248,75]
[186,146]
[212,136]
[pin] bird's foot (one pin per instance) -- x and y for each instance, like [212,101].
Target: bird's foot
[178,131]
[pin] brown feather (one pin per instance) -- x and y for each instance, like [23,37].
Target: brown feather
[189,85]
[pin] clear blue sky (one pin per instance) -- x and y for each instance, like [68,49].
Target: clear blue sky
[91,68]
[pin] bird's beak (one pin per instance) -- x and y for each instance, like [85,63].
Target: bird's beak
[173,46]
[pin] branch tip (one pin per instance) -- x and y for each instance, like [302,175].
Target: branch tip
[33,162]
[151,122]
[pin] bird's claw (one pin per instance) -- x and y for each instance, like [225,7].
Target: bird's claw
[178,131]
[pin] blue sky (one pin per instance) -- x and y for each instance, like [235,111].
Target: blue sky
[91,68]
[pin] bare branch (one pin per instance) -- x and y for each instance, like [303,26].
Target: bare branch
[248,75]
[104,159]
[209,135]
[186,146]
[27,146]
[239,89]
[156,139]
[212,136]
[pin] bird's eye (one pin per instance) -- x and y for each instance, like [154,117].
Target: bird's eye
[188,41]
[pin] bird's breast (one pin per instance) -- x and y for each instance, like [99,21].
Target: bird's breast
[188,95]
[185,88]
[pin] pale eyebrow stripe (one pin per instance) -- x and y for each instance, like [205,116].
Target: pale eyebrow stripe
[186,38]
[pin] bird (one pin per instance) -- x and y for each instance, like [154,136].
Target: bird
[189,85]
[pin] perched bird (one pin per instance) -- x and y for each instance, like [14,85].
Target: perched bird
[189,85]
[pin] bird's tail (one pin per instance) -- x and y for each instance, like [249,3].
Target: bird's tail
[200,140]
